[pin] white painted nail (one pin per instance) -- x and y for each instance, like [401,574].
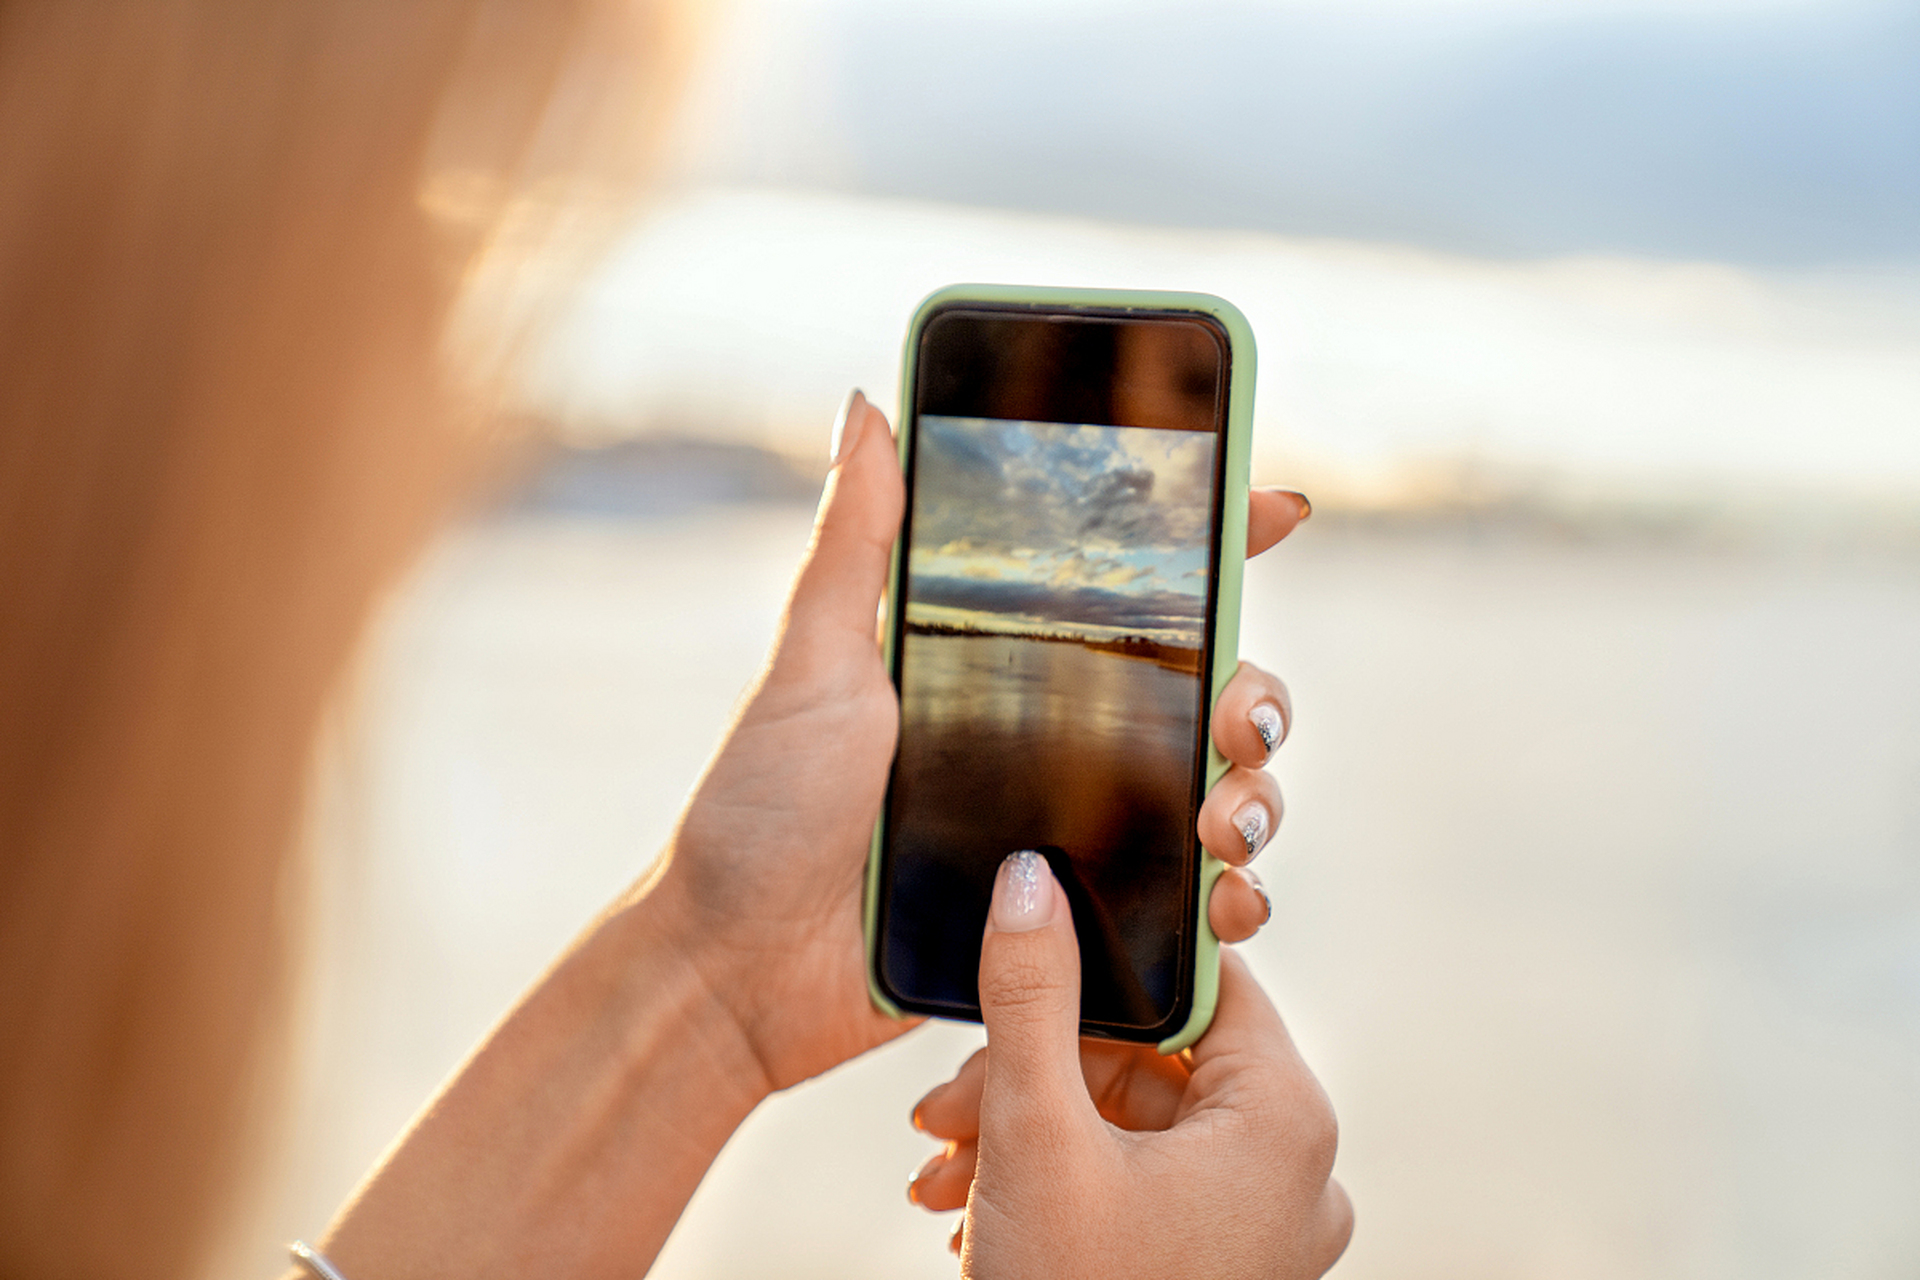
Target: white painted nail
[836,449]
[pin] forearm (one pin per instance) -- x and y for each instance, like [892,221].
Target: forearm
[570,1142]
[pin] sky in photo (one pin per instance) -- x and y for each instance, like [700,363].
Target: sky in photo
[1087,530]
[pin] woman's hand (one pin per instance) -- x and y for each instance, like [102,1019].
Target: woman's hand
[767,866]
[569,1142]
[1086,1158]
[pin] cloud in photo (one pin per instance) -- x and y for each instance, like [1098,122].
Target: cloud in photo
[1103,529]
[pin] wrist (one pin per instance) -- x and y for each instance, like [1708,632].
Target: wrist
[667,982]
[677,909]
[775,938]
[578,1129]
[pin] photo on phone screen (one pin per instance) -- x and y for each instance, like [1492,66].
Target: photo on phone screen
[1051,657]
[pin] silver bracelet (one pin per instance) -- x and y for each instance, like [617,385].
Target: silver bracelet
[314,1262]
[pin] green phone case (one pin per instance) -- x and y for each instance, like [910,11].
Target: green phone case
[1233,540]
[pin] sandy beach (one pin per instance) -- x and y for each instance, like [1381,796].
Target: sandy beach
[1598,893]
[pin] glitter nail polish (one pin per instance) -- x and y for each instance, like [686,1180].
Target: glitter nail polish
[1021,900]
[1251,822]
[1268,724]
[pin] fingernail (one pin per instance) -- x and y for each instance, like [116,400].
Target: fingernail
[1268,724]
[927,1166]
[1306,508]
[1265,897]
[1254,825]
[848,407]
[1023,894]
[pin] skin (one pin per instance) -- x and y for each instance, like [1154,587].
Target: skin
[1074,1158]
[569,1143]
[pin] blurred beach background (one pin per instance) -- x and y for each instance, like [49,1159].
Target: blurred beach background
[1593,331]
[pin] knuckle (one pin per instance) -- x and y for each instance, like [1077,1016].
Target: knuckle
[1019,984]
[1293,1112]
[1337,1227]
[1340,1219]
[1320,1131]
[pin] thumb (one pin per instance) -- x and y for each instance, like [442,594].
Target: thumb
[845,570]
[1030,1000]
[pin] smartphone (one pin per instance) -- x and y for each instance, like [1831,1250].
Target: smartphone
[1064,610]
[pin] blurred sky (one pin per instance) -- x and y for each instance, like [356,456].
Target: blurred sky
[1757,131]
[1565,248]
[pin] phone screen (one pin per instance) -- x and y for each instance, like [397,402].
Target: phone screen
[1058,581]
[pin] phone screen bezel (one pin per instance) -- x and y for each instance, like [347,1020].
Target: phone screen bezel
[1189,877]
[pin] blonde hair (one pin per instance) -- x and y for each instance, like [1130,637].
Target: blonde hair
[231,240]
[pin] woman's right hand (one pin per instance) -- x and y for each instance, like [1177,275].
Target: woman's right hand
[1091,1158]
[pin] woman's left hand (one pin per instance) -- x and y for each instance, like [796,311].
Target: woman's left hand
[765,871]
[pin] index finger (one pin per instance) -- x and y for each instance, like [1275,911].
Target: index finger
[1272,514]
